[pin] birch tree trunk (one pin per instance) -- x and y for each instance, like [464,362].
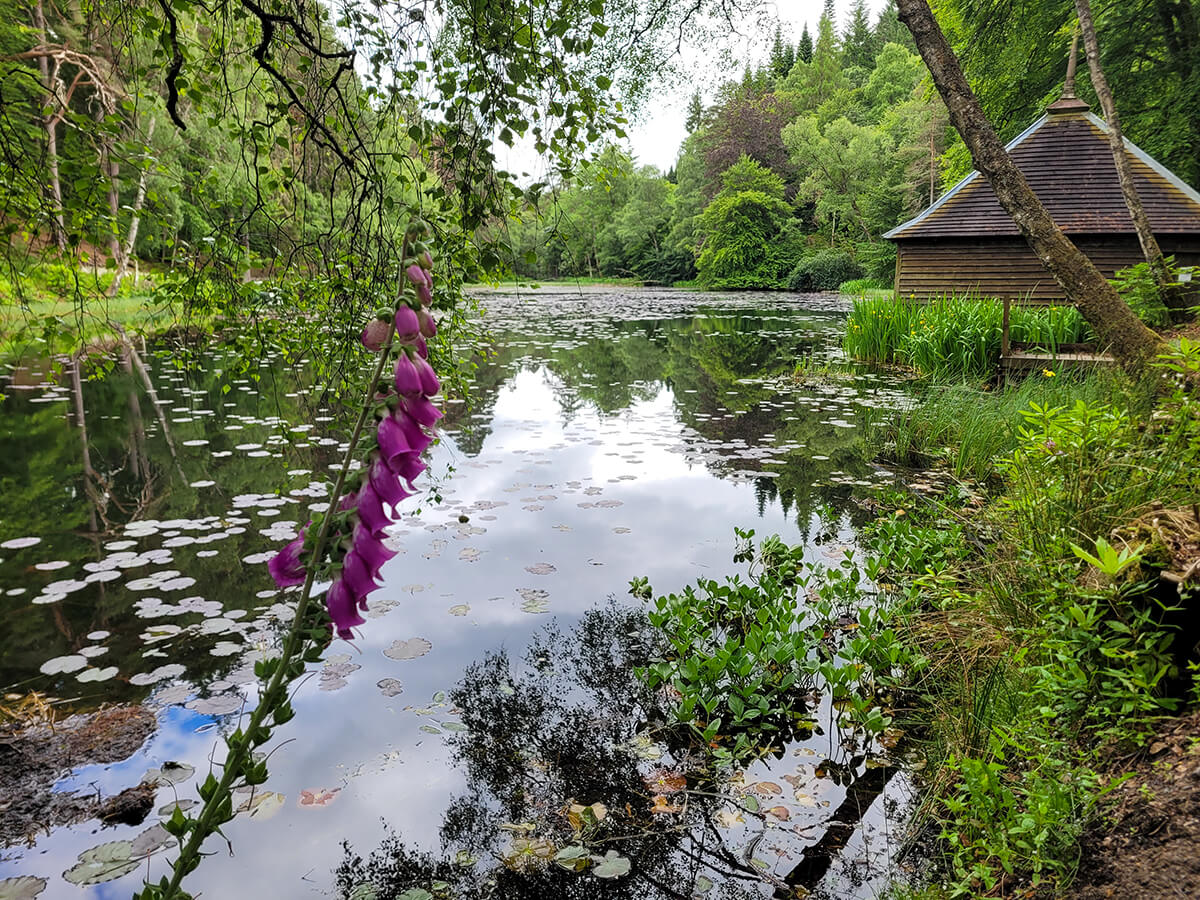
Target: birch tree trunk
[1131,342]
[1116,141]
[126,252]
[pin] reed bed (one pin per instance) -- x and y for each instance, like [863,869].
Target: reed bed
[953,337]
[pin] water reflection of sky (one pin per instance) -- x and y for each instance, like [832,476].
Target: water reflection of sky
[572,485]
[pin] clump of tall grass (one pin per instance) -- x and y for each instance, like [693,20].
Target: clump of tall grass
[864,287]
[953,337]
[970,431]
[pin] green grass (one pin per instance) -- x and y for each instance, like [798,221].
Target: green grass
[874,288]
[969,431]
[956,337]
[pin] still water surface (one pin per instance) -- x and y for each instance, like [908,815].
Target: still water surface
[610,434]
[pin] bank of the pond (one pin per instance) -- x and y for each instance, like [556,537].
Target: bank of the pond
[1045,611]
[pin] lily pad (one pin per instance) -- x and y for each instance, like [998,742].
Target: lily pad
[390,687]
[97,674]
[263,804]
[23,887]
[169,773]
[611,865]
[62,664]
[410,649]
[107,862]
[151,840]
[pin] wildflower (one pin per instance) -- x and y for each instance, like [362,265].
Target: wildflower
[423,282]
[408,326]
[1049,373]
[286,567]
[375,335]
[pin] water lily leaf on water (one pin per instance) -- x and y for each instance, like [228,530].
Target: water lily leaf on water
[106,862]
[750,802]
[540,569]
[766,789]
[782,813]
[611,865]
[151,840]
[364,891]
[62,664]
[390,687]
[23,887]
[703,885]
[459,609]
[431,729]
[455,726]
[263,804]
[410,649]
[415,894]
[318,797]
[573,859]
[169,773]
[97,674]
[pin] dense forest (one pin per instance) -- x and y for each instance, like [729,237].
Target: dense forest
[791,175]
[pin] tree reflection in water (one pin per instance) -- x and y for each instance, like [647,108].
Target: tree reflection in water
[566,725]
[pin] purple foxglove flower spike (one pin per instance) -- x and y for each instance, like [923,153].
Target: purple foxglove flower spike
[286,567]
[428,325]
[375,335]
[408,325]
[429,380]
[408,466]
[343,609]
[385,484]
[425,289]
[370,510]
[391,439]
[371,550]
[421,411]
[417,439]
[425,259]
[357,575]
[408,378]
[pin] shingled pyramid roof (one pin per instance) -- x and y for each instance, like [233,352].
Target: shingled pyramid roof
[1066,158]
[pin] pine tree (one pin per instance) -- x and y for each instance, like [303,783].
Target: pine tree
[890,30]
[805,50]
[860,44]
[830,12]
[695,113]
[789,57]
[779,66]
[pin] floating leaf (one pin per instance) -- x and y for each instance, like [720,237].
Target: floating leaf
[23,887]
[390,687]
[62,664]
[151,840]
[415,894]
[782,813]
[573,859]
[97,674]
[106,862]
[459,609]
[263,804]
[318,796]
[410,649]
[611,865]
[169,773]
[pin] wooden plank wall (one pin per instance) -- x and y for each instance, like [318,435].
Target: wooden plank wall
[1005,267]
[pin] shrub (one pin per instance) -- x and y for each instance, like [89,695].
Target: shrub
[878,260]
[1139,289]
[825,270]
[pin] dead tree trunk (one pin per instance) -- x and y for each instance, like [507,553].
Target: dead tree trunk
[1141,222]
[1131,342]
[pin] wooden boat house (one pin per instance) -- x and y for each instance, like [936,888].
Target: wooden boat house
[966,242]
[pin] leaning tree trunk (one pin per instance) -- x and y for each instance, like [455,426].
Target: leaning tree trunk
[1131,342]
[1141,222]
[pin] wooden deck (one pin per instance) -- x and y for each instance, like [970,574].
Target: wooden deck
[1017,357]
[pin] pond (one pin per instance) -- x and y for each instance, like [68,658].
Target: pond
[611,433]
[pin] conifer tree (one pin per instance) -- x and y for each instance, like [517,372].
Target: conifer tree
[779,66]
[695,113]
[805,50]
[860,45]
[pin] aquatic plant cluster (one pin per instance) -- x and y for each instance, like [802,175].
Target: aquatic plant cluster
[952,337]
[355,548]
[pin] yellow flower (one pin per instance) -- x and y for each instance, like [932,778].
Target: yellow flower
[1049,373]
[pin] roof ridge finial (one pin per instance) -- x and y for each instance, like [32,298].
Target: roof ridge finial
[1069,84]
